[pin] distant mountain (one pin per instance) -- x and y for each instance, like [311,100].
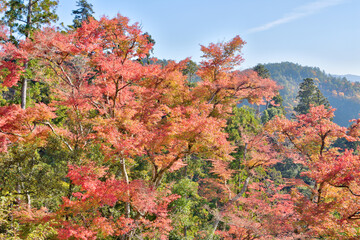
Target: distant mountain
[341,93]
[350,77]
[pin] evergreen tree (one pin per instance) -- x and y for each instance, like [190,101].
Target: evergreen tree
[82,13]
[309,94]
[23,17]
[262,71]
[190,70]
[273,108]
[150,40]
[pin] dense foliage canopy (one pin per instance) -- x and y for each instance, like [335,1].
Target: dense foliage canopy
[115,145]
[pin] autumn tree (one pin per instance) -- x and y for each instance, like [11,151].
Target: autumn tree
[113,115]
[254,185]
[329,206]
[214,71]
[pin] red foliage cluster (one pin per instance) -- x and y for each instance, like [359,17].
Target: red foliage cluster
[335,173]
[17,124]
[132,110]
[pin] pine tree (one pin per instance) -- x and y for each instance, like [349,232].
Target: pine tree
[262,71]
[82,13]
[22,17]
[309,94]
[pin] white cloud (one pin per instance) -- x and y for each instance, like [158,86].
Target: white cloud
[297,13]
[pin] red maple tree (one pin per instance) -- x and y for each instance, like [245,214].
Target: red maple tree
[332,206]
[132,110]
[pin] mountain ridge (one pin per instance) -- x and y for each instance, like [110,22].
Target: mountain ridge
[344,95]
[350,77]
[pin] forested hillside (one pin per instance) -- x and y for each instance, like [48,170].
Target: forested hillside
[341,93]
[100,140]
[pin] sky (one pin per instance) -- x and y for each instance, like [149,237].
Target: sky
[318,33]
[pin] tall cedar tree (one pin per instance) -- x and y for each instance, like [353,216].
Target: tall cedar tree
[190,70]
[309,94]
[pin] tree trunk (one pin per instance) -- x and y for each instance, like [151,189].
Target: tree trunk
[27,34]
[126,178]
[28,197]
[23,92]
[216,223]
[129,235]
[231,201]
[244,159]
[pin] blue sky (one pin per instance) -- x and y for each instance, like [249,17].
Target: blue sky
[321,33]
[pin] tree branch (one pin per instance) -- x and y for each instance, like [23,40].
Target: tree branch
[19,135]
[344,186]
[53,130]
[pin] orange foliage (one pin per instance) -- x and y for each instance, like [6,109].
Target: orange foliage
[131,109]
[334,199]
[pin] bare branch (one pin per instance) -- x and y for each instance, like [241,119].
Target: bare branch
[19,135]
[53,130]
[345,186]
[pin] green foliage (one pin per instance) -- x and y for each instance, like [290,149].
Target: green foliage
[274,109]
[42,231]
[289,169]
[36,172]
[265,117]
[185,210]
[3,95]
[262,71]
[309,95]
[190,71]
[342,143]
[139,169]
[242,119]
[8,227]
[83,13]
[20,20]
[37,93]
[270,113]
